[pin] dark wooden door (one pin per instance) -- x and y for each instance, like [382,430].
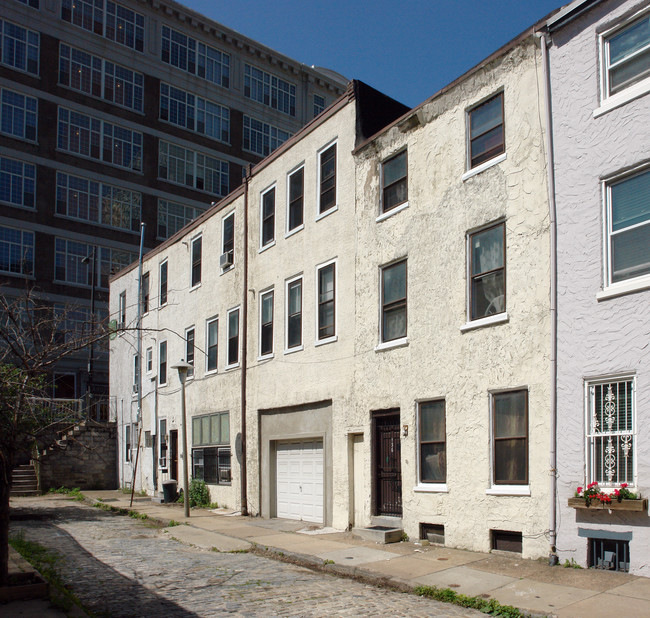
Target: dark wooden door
[173,454]
[388,464]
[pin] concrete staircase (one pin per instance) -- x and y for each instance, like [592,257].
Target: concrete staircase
[383,529]
[24,481]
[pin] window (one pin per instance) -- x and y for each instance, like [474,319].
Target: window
[19,114]
[327,179]
[196,261]
[189,351]
[487,293]
[16,251]
[228,241]
[611,444]
[194,113]
[628,227]
[269,90]
[267,228]
[211,337]
[233,338]
[432,439]
[162,283]
[319,104]
[394,182]
[211,464]
[266,323]
[296,199]
[32,3]
[17,183]
[162,363]
[197,58]
[510,438]
[609,554]
[136,373]
[19,47]
[75,324]
[127,443]
[162,437]
[262,138]
[97,139]
[101,78]
[294,314]
[393,302]
[326,302]
[144,298]
[149,360]
[122,310]
[486,135]
[103,204]
[192,169]
[627,56]
[173,217]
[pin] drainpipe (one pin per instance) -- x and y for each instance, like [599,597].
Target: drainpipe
[244,354]
[550,164]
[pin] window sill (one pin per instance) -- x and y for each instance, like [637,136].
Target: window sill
[391,212]
[265,357]
[226,270]
[624,287]
[484,166]
[395,343]
[508,490]
[162,306]
[629,94]
[231,367]
[491,320]
[295,230]
[211,372]
[195,287]
[322,215]
[298,348]
[326,341]
[431,488]
[267,246]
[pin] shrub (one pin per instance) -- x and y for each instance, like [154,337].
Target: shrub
[199,494]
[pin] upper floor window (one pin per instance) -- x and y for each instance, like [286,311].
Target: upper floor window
[327,179]
[267,216]
[16,251]
[108,19]
[266,324]
[319,104]
[121,310]
[197,58]
[189,351]
[173,217]
[627,55]
[510,438]
[149,359]
[394,182]
[393,302]
[295,206]
[162,284]
[611,418]
[262,138]
[35,4]
[232,353]
[162,363]
[269,90]
[228,241]
[145,293]
[18,115]
[487,270]
[432,439]
[196,261]
[19,47]
[17,183]
[326,301]
[628,227]
[486,134]
[211,344]
[294,313]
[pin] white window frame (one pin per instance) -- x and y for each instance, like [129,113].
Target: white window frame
[164,263]
[334,337]
[287,305]
[195,239]
[228,364]
[383,213]
[263,194]
[136,374]
[26,113]
[29,45]
[121,317]
[429,486]
[208,323]
[149,361]
[335,207]
[589,384]
[290,232]
[23,178]
[266,85]
[262,295]
[180,221]
[160,345]
[190,372]
[230,215]
[263,138]
[25,248]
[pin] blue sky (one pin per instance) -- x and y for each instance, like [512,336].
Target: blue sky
[408,50]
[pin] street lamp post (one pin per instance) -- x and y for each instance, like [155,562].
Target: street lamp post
[182,367]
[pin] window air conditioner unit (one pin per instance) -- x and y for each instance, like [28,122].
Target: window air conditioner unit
[226,259]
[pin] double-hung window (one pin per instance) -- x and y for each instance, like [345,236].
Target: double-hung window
[266,324]
[211,461]
[211,343]
[127,443]
[162,363]
[19,47]
[487,272]
[189,350]
[393,302]
[196,261]
[432,437]
[486,132]
[294,314]
[16,251]
[319,104]
[149,357]
[145,293]
[162,442]
[327,179]
[162,284]
[326,301]
[228,241]
[136,373]
[510,438]
[267,216]
[296,193]
[122,310]
[394,182]
[627,56]
[628,228]
[17,183]
[611,447]
[18,115]
[233,338]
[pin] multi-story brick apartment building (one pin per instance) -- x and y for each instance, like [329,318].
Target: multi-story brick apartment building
[117,113]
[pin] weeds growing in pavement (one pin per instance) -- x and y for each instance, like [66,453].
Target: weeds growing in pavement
[486,606]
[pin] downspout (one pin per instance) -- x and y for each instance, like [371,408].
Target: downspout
[244,354]
[550,164]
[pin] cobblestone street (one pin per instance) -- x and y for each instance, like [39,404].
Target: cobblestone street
[118,566]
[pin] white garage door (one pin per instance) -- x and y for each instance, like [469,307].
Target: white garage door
[300,480]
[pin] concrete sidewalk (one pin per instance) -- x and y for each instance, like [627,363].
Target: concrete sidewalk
[530,585]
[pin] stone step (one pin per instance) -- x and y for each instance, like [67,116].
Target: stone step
[23,482]
[380,534]
[388,521]
[22,493]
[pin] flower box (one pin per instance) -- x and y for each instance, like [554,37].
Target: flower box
[614,505]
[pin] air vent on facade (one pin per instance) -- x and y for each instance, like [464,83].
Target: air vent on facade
[434,533]
[609,554]
[504,540]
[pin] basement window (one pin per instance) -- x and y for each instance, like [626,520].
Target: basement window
[609,554]
[434,533]
[505,540]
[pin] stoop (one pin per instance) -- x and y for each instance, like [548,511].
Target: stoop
[383,529]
